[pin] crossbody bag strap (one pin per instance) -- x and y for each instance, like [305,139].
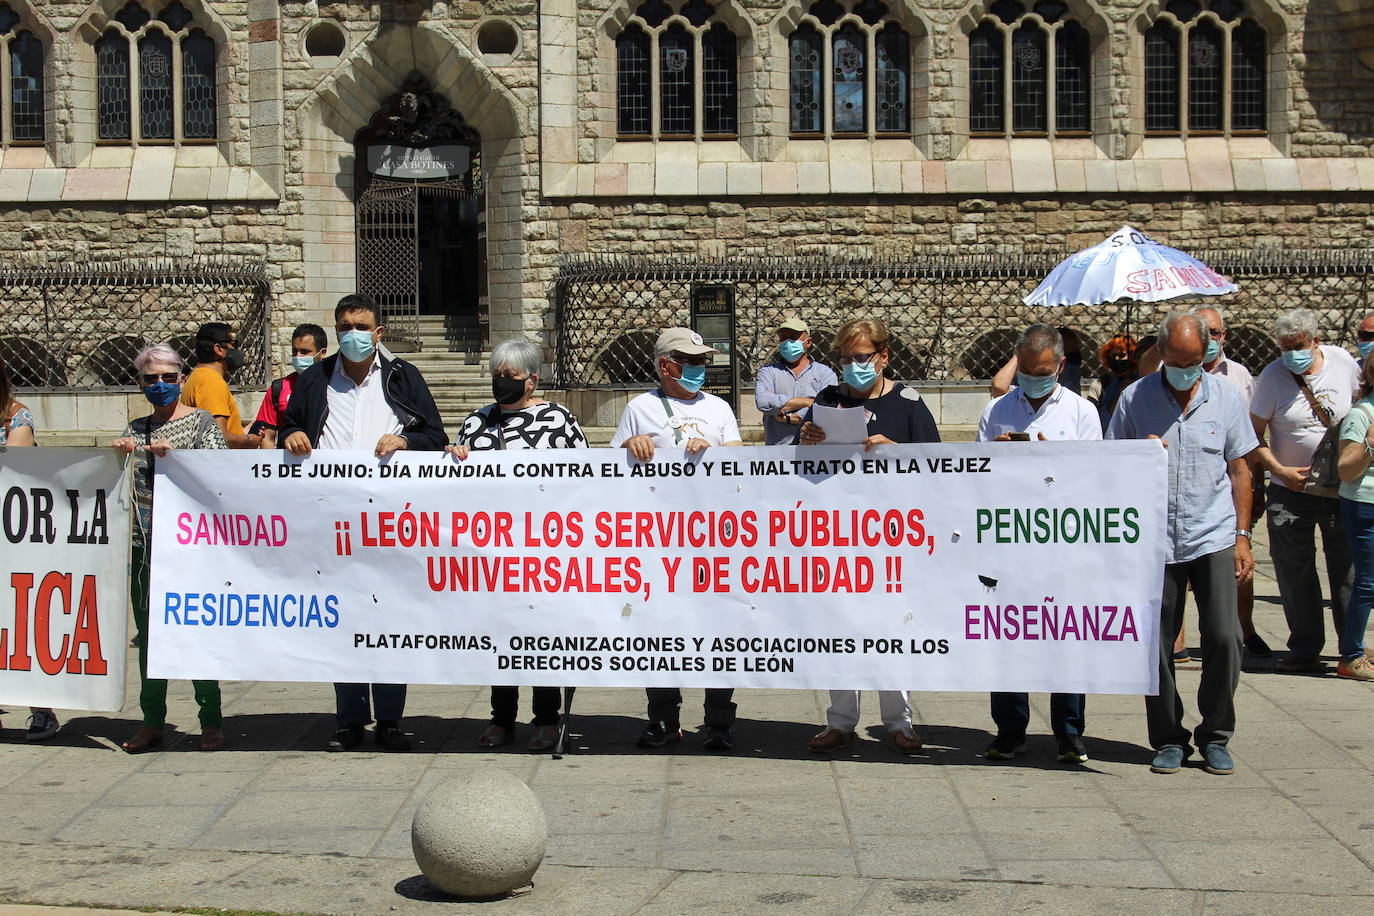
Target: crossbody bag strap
[668,409]
[1322,414]
[494,421]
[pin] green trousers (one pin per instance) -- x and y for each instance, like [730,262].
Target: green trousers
[152,698]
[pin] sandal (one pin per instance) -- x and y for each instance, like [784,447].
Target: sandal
[211,738]
[142,740]
[545,738]
[494,736]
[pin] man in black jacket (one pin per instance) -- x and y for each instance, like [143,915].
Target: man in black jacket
[361,398]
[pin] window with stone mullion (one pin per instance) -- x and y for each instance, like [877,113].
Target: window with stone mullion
[806,49]
[1029,72]
[155,103]
[25,59]
[114,118]
[1205,70]
[986,64]
[676,69]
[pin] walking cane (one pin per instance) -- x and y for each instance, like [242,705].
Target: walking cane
[563,747]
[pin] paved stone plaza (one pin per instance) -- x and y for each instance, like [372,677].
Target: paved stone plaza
[276,823]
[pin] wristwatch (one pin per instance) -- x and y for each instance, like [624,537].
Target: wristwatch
[1244,533]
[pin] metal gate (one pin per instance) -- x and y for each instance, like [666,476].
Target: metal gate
[388,256]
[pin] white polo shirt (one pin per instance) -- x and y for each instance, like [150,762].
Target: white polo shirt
[1062,415]
[703,416]
[358,414]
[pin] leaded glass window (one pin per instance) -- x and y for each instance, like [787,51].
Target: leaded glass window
[21,53]
[157,80]
[1038,55]
[804,57]
[1189,47]
[662,41]
[829,56]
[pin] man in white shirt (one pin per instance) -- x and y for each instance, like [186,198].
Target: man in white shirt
[677,414]
[1306,373]
[362,397]
[1040,408]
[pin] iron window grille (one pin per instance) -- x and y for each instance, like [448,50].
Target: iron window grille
[1206,70]
[156,78]
[1038,59]
[677,73]
[21,81]
[849,72]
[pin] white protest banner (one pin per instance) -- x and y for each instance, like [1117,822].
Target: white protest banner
[999,566]
[64,516]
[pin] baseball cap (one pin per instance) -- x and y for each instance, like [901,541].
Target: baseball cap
[794,324]
[681,340]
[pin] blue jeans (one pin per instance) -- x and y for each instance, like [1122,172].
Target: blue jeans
[1011,712]
[1359,528]
[351,703]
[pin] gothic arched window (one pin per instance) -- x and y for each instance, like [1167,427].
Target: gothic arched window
[21,56]
[1188,86]
[1034,55]
[693,58]
[829,52]
[156,74]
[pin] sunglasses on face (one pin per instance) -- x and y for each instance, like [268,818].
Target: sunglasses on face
[691,360]
[1364,335]
[152,378]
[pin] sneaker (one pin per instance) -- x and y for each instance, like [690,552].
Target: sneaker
[831,739]
[1295,664]
[346,738]
[904,741]
[1357,669]
[1169,759]
[545,738]
[1005,747]
[1071,749]
[388,735]
[657,734]
[42,726]
[1217,759]
[1256,646]
[1183,657]
[494,736]
[719,738]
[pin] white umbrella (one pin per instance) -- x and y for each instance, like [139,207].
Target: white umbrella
[1128,265]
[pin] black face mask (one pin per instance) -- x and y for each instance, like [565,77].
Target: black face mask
[507,390]
[233,359]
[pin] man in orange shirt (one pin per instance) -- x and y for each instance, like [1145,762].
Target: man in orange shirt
[217,355]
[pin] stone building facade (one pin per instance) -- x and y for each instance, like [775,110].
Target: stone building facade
[698,129]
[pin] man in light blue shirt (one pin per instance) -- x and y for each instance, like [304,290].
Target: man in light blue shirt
[786,387]
[1204,424]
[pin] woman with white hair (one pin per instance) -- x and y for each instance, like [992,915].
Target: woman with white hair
[517,419]
[171,425]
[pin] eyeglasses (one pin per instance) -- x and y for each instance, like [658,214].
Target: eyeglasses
[858,358]
[152,378]
[703,360]
[1217,333]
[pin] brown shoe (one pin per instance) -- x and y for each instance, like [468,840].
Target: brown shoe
[142,740]
[211,738]
[1357,669]
[832,739]
[903,741]
[494,736]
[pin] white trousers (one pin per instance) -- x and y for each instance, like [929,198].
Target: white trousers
[843,713]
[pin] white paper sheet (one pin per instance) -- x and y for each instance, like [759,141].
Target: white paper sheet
[842,425]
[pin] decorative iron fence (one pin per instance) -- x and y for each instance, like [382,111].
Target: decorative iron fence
[78,325]
[952,317]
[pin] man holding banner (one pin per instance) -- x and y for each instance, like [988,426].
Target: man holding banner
[679,414]
[1204,425]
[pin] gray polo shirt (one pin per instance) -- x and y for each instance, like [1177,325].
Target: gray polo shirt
[1213,430]
[776,385]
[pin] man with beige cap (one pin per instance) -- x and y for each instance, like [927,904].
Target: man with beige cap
[786,387]
[678,414]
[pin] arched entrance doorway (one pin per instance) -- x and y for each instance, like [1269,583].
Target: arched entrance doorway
[420,217]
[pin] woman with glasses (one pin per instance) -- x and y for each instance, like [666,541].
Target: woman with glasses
[171,425]
[517,419]
[896,414]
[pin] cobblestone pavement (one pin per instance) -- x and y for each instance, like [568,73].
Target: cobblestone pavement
[275,823]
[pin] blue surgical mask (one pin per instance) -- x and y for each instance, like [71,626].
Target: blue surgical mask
[693,377]
[860,376]
[356,346]
[160,394]
[1182,378]
[792,350]
[1365,347]
[1298,361]
[301,363]
[1213,351]
[1036,386]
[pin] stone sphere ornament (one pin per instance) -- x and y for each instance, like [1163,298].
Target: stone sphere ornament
[480,834]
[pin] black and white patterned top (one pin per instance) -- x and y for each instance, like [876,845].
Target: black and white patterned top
[544,425]
[196,429]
